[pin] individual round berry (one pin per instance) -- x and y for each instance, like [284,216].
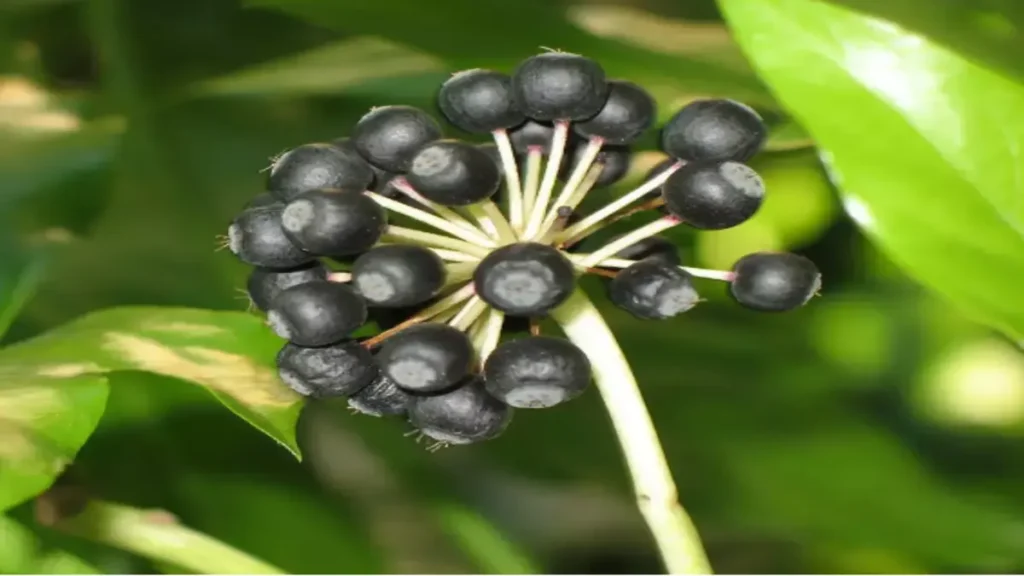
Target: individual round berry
[537,372]
[453,173]
[257,238]
[715,131]
[614,161]
[651,247]
[559,86]
[628,112]
[337,370]
[381,398]
[426,357]
[524,279]
[316,313]
[264,199]
[388,136]
[532,134]
[774,281]
[653,289]
[398,275]
[316,166]
[479,101]
[265,284]
[713,196]
[491,150]
[464,415]
[334,222]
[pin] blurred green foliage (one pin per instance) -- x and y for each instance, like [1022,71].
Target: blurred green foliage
[876,430]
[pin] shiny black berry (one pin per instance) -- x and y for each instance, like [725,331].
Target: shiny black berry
[532,134]
[479,101]
[653,289]
[715,131]
[388,136]
[559,86]
[399,275]
[265,284]
[492,152]
[316,313]
[257,238]
[464,415]
[427,357]
[524,279]
[453,173]
[774,281]
[337,370]
[334,222]
[537,372]
[381,398]
[654,247]
[316,166]
[614,162]
[713,195]
[627,113]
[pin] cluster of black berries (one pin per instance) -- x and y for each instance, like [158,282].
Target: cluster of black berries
[464,265]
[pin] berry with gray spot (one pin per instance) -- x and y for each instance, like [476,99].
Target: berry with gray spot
[427,357]
[257,238]
[627,113]
[381,398]
[653,290]
[316,313]
[559,86]
[265,284]
[537,372]
[398,275]
[479,101]
[524,279]
[317,166]
[712,195]
[774,281]
[389,136]
[340,369]
[334,222]
[464,415]
[453,173]
[714,131]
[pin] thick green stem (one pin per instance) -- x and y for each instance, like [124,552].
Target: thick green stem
[673,531]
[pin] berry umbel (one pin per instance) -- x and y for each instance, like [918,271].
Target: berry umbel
[454,248]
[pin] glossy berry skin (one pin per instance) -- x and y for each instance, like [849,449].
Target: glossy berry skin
[652,247]
[714,131]
[316,313]
[265,284]
[381,398]
[334,222]
[524,279]
[614,161]
[774,281]
[531,134]
[453,173]
[337,370]
[426,358]
[398,275]
[256,237]
[464,415]
[628,112]
[537,372]
[559,86]
[479,101]
[316,166]
[492,152]
[388,136]
[714,196]
[653,290]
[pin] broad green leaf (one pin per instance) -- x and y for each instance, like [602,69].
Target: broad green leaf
[452,31]
[20,274]
[924,143]
[22,553]
[228,353]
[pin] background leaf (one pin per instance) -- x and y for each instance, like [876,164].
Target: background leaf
[21,552]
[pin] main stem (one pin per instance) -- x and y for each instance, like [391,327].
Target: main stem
[656,495]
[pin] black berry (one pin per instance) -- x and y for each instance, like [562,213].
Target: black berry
[453,173]
[559,86]
[334,222]
[479,101]
[426,358]
[524,279]
[653,289]
[316,166]
[614,162]
[654,247]
[715,131]
[388,136]
[257,238]
[398,275]
[316,313]
[337,370]
[537,372]
[532,135]
[628,112]
[265,284]
[714,196]
[774,281]
[492,152]
[464,415]
[381,398]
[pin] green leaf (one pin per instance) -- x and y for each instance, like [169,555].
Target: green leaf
[481,541]
[20,274]
[924,143]
[228,353]
[21,552]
